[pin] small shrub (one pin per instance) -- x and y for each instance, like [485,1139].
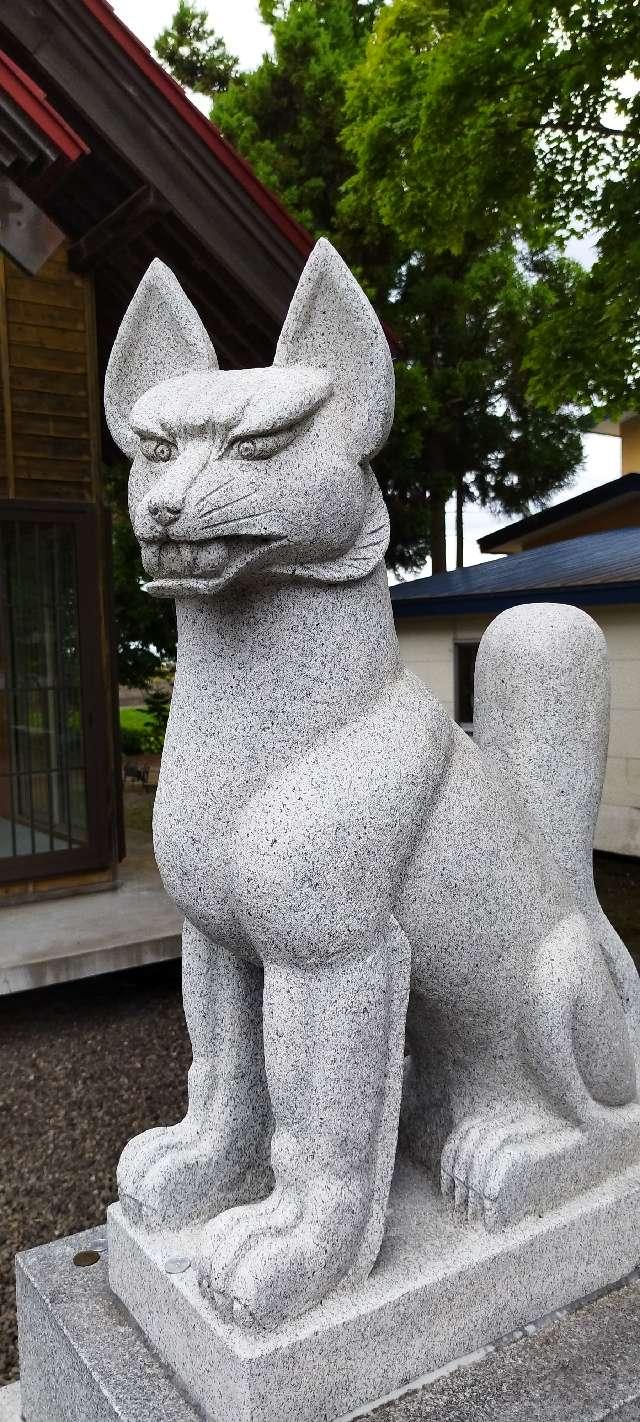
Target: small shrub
[157,705]
[131,739]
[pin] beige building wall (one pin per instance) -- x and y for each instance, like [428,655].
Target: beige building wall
[630,453]
[426,646]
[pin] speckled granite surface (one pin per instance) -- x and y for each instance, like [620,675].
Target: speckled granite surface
[81,1358]
[10,1407]
[440,1290]
[333,839]
[581,1366]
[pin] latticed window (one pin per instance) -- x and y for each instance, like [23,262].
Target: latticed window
[52,782]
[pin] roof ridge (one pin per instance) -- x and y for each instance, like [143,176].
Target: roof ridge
[618,487]
[207,130]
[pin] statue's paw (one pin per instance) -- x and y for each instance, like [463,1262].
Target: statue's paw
[485,1167]
[175,1177]
[268,1262]
[137,1160]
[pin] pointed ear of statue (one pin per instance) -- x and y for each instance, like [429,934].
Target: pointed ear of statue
[331,324]
[161,336]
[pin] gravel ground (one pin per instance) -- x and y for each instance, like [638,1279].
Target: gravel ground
[85,1066]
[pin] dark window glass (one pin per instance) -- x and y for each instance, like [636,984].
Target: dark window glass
[465,665]
[43,774]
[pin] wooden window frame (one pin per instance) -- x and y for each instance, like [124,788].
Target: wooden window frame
[96,853]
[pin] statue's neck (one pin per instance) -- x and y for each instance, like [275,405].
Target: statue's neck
[326,648]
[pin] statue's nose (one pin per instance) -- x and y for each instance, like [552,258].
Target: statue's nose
[165,511]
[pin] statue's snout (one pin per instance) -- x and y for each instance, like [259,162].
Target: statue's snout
[165,510]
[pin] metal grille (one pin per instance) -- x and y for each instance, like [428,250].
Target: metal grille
[43,770]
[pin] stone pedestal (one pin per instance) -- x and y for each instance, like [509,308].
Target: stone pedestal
[83,1356]
[439,1291]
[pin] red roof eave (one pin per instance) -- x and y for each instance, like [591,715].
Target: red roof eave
[32,100]
[206,130]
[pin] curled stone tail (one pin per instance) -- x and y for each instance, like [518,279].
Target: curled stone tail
[542,716]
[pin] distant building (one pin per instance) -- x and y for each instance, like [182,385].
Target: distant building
[104,164]
[627,428]
[584,551]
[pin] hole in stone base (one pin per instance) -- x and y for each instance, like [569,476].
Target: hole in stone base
[85,1258]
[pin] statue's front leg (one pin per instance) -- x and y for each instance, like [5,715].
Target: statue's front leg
[334,1047]
[218,1154]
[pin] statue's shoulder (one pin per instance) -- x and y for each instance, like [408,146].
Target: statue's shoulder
[402,741]
[419,719]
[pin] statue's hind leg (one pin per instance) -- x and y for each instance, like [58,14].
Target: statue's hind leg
[217,1155]
[498,1166]
[334,1046]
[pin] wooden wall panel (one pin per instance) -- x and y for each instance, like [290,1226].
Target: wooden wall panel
[50,417]
[4,489]
[50,358]
[6,448]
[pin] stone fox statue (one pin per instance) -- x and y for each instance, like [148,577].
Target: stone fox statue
[391,930]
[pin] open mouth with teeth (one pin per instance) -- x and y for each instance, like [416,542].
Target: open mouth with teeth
[202,566]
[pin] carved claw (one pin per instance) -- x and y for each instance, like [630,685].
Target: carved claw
[276,1259]
[175,1177]
[486,1164]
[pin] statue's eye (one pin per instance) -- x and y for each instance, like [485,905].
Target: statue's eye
[247,449]
[262,446]
[157,450]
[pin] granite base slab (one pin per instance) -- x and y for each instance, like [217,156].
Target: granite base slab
[440,1291]
[10,1405]
[82,1359]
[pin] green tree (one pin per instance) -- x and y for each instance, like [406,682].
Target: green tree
[193,52]
[531,120]
[157,704]
[145,626]
[469,296]
[332,123]
[286,115]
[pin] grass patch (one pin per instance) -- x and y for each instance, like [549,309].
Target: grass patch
[137,731]
[134,718]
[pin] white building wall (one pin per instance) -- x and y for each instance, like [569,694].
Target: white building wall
[619,819]
[426,646]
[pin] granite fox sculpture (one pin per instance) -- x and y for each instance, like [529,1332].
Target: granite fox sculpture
[355,872]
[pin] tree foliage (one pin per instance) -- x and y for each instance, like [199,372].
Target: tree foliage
[146,626]
[194,53]
[467,304]
[341,123]
[530,122]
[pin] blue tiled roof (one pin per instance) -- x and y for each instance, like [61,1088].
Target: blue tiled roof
[597,567]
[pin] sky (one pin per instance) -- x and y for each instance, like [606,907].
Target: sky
[236,20]
[245,35]
[601,463]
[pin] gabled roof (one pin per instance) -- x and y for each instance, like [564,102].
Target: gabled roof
[623,490]
[598,568]
[211,136]
[30,129]
[158,179]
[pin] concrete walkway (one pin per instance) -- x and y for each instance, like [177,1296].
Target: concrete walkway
[77,937]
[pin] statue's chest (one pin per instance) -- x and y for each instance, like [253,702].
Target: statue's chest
[211,770]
